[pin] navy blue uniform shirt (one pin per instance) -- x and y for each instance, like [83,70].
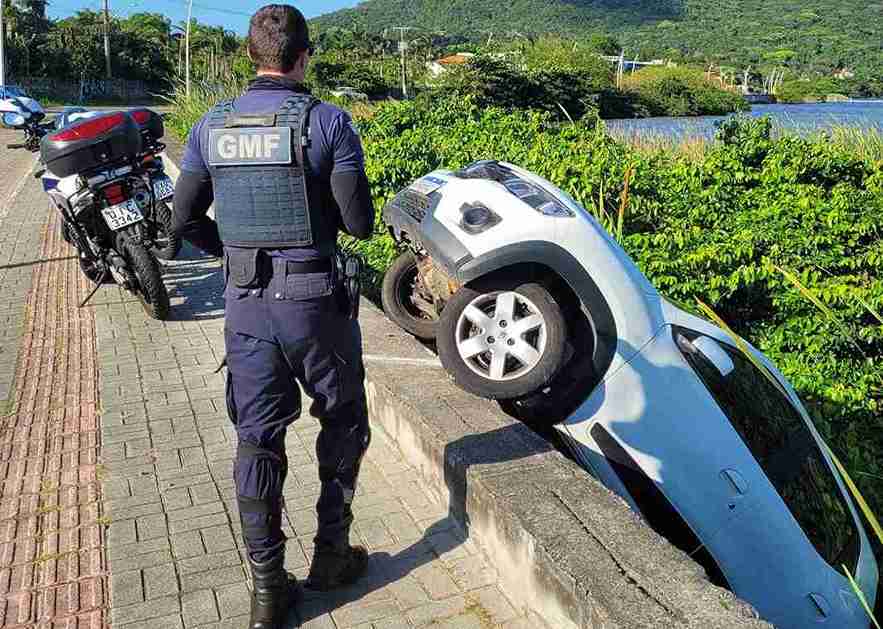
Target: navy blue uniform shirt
[335,146]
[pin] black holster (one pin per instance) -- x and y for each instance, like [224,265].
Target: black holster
[350,269]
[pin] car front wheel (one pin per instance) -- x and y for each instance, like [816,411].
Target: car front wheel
[502,339]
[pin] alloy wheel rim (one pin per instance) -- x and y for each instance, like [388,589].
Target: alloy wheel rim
[501,336]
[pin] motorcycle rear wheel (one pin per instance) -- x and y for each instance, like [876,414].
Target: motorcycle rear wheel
[167,246]
[151,291]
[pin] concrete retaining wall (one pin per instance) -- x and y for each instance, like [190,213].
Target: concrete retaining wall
[566,547]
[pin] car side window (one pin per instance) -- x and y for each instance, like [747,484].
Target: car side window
[781,442]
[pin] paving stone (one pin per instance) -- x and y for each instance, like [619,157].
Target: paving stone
[196,512]
[115,552]
[126,588]
[394,622]
[143,611]
[212,578]
[492,600]
[233,600]
[199,608]
[354,614]
[173,621]
[209,562]
[232,623]
[320,622]
[207,521]
[160,581]
[146,560]
[121,532]
[436,581]
[429,614]
[218,539]
[152,526]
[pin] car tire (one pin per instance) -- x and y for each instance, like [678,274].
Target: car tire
[398,286]
[502,355]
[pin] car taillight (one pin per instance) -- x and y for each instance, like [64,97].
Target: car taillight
[90,128]
[114,194]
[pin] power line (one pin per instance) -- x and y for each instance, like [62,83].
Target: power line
[208,8]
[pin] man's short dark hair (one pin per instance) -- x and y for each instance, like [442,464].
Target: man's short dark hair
[277,35]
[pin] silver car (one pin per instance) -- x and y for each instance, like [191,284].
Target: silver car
[542,309]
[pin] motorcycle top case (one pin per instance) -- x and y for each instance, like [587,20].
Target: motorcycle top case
[91,144]
[150,122]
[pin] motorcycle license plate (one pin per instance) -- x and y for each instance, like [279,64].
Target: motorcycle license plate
[163,188]
[122,215]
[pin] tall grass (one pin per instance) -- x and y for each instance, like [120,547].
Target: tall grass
[187,110]
[865,143]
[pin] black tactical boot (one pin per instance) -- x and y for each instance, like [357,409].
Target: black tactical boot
[335,567]
[275,593]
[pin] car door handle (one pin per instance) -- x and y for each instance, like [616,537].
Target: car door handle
[821,604]
[736,480]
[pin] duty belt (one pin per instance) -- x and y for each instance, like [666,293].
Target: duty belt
[314,266]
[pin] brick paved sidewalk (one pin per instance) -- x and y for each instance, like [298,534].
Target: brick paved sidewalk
[167,447]
[51,560]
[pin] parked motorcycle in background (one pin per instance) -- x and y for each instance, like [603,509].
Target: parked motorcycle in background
[104,175]
[32,112]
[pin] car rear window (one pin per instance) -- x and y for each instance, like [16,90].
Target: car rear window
[783,445]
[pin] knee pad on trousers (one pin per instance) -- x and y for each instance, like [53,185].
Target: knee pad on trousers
[260,474]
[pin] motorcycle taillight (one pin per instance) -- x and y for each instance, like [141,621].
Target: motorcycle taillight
[141,116]
[90,128]
[114,194]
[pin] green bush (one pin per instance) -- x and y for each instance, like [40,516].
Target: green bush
[664,91]
[566,92]
[330,74]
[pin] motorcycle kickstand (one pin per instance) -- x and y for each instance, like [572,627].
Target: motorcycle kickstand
[97,286]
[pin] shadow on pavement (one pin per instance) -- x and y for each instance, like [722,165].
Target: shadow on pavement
[19,265]
[196,286]
[503,445]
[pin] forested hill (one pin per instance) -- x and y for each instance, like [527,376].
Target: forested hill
[818,35]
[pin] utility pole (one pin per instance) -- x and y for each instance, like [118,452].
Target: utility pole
[2,48]
[187,62]
[107,39]
[403,47]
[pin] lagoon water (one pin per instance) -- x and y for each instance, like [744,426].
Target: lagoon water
[803,119]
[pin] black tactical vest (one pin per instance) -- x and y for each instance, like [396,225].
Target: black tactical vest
[260,174]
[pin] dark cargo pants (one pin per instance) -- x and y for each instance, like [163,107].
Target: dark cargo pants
[282,329]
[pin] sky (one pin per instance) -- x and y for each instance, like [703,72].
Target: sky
[231,14]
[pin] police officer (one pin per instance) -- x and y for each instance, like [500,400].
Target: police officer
[286,173]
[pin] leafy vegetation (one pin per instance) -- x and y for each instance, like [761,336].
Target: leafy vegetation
[144,46]
[661,91]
